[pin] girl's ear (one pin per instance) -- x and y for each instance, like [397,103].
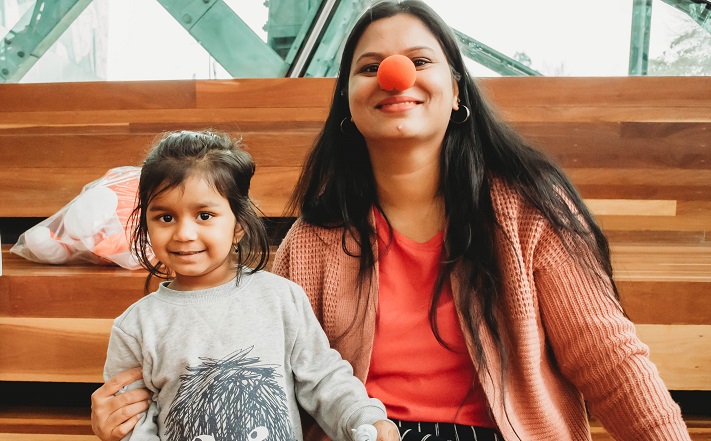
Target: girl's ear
[239,233]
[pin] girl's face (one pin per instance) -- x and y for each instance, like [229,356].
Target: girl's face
[420,112]
[191,230]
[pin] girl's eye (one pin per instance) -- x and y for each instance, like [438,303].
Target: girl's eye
[204,216]
[165,218]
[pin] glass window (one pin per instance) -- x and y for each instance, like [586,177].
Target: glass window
[85,40]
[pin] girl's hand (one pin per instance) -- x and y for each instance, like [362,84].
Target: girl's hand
[114,416]
[387,431]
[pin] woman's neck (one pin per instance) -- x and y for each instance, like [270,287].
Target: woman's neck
[407,182]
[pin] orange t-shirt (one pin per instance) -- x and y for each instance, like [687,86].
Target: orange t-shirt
[410,371]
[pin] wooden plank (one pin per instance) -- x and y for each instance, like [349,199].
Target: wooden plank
[143,120]
[45,420]
[631,207]
[287,148]
[42,192]
[572,146]
[681,145]
[616,190]
[25,192]
[76,421]
[666,303]
[658,237]
[45,437]
[597,112]
[243,118]
[92,293]
[271,188]
[74,350]
[72,151]
[691,216]
[699,428]
[662,263]
[670,177]
[682,224]
[265,93]
[53,349]
[672,92]
[599,91]
[97,96]
[29,289]
[682,353]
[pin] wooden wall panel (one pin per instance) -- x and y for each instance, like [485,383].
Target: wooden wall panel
[637,148]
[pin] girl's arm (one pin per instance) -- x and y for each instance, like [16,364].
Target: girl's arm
[325,385]
[123,407]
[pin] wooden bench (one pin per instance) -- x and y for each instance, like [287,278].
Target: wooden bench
[638,148]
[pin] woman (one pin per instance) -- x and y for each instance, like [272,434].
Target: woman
[454,266]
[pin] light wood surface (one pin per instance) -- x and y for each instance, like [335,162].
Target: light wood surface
[618,138]
[637,148]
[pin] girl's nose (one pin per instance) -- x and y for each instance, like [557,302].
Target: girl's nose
[396,72]
[185,231]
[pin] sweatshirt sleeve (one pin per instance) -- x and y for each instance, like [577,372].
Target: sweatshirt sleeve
[124,353]
[324,382]
[597,347]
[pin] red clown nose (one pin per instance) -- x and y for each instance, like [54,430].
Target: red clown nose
[396,72]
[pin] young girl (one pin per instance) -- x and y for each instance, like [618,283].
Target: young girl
[228,351]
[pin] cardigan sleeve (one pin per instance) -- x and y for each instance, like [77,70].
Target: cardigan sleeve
[280,266]
[597,348]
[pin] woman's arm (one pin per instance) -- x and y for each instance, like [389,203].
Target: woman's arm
[114,416]
[597,348]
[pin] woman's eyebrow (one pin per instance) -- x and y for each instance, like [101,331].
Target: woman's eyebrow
[380,55]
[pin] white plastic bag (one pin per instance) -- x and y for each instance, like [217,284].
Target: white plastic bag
[92,228]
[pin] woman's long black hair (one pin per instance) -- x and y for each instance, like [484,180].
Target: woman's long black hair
[337,186]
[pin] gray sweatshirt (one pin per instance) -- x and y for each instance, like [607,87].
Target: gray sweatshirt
[232,362]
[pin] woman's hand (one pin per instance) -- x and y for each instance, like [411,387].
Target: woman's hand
[114,416]
[387,431]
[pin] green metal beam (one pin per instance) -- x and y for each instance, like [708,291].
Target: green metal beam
[639,40]
[34,33]
[326,58]
[698,10]
[227,38]
[491,58]
[321,54]
[288,22]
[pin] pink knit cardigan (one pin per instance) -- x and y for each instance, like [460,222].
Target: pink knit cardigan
[567,339]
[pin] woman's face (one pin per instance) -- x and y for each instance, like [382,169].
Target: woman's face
[420,113]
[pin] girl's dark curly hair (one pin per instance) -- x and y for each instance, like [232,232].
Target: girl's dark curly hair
[219,159]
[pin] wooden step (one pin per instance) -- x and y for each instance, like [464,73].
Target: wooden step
[40,423]
[74,424]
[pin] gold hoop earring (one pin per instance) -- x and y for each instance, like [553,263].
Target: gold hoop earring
[465,118]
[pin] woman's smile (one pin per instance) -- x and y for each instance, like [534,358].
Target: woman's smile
[397,103]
